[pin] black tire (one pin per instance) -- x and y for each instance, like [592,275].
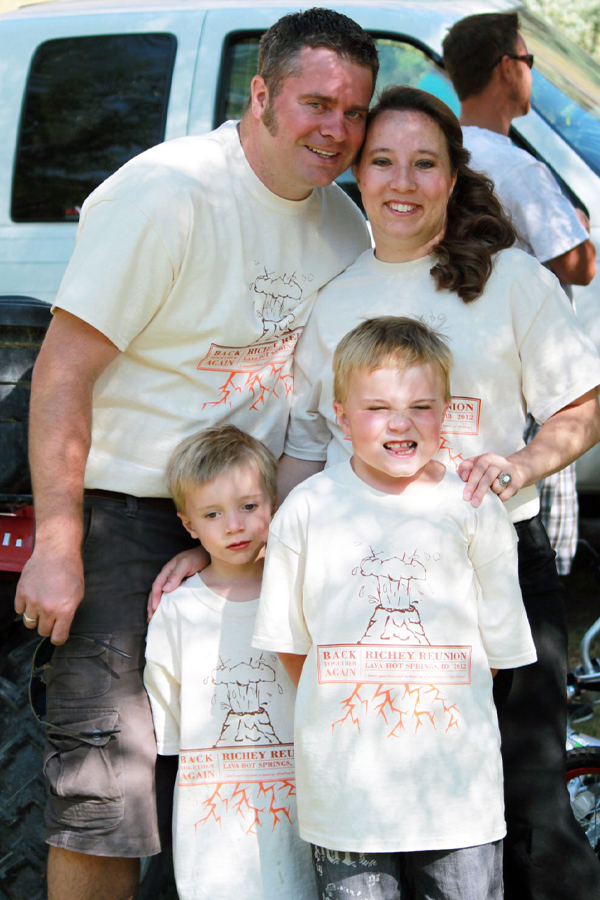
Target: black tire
[23,851]
[22,791]
[583,782]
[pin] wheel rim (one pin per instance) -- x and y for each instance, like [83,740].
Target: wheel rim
[583,784]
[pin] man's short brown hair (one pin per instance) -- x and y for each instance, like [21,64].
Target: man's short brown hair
[473,45]
[282,44]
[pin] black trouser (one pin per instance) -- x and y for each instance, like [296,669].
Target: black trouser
[546,854]
[104,798]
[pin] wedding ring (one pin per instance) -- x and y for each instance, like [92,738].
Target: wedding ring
[28,621]
[504,479]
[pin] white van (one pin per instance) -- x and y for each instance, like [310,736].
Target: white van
[87,84]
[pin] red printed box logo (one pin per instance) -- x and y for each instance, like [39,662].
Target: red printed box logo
[393,664]
[462,416]
[232,765]
[253,358]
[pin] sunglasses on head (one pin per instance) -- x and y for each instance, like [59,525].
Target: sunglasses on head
[37,687]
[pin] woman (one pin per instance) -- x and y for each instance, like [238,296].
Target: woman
[441,254]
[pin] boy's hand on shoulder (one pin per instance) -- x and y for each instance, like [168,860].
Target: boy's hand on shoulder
[187,563]
[481,474]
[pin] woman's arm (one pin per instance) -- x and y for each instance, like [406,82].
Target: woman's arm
[562,439]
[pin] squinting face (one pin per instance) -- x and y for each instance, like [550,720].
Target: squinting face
[405,181]
[230,515]
[394,419]
[315,124]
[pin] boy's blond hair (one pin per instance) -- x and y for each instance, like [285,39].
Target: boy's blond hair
[203,456]
[390,342]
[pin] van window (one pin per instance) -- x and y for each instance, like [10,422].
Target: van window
[401,62]
[239,68]
[91,104]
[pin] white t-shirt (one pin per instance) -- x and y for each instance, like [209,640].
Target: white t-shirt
[519,345]
[204,279]
[402,603]
[227,711]
[544,218]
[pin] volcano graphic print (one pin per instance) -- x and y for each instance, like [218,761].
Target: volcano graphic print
[249,772]
[265,367]
[403,683]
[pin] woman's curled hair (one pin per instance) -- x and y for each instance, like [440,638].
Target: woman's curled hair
[477,225]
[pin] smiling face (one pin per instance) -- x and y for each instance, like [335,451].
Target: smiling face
[405,180]
[394,418]
[312,129]
[230,515]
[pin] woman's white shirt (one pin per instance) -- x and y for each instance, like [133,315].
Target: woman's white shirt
[518,346]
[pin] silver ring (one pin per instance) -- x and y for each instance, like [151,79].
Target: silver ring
[28,620]
[504,479]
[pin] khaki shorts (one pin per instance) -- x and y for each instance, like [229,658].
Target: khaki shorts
[102,789]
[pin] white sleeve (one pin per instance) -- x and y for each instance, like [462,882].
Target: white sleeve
[544,218]
[559,361]
[308,434]
[280,623]
[162,679]
[503,623]
[120,272]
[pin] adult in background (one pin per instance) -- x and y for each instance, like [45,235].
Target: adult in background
[487,60]
[194,273]
[443,255]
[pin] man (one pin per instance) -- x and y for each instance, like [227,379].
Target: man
[545,856]
[194,272]
[549,227]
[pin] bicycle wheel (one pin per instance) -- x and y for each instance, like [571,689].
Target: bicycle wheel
[583,783]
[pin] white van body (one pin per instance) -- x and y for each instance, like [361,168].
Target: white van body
[34,254]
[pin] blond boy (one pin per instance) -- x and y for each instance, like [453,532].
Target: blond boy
[225,709]
[390,599]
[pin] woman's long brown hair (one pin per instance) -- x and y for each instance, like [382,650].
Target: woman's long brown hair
[477,225]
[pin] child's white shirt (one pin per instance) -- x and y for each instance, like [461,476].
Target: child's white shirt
[227,711]
[402,604]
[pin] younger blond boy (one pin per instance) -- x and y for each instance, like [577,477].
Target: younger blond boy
[225,709]
[391,598]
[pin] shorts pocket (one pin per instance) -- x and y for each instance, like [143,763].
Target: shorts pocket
[84,772]
[79,669]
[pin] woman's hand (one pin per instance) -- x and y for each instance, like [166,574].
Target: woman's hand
[481,474]
[172,574]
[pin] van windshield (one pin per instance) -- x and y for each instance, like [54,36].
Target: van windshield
[566,87]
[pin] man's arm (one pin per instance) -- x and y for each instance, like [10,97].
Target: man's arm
[72,357]
[576,266]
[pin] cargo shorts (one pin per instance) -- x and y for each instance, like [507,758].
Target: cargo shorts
[102,791]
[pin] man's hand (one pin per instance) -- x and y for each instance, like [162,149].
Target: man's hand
[481,474]
[172,574]
[49,592]
[71,359]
